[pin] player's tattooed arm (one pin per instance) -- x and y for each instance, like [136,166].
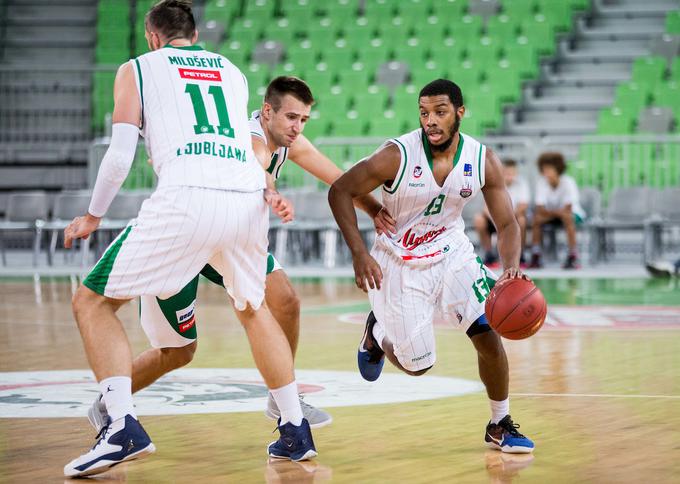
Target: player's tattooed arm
[303,153]
[364,177]
[500,208]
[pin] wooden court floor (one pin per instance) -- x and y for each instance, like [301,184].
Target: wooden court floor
[601,402]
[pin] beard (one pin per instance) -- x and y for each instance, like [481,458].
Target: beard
[446,144]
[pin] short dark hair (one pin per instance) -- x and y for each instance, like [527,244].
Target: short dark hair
[444,86]
[172,18]
[554,159]
[283,85]
[509,162]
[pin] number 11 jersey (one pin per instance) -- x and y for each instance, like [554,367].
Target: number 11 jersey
[195,120]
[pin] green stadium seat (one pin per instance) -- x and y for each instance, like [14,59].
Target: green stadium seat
[358,79]
[236,52]
[341,13]
[431,31]
[631,97]
[520,8]
[380,9]
[449,10]
[484,51]
[673,22]
[415,9]
[411,51]
[428,72]
[223,11]
[387,127]
[451,50]
[246,31]
[465,28]
[374,54]
[281,31]
[524,56]
[393,34]
[503,27]
[370,101]
[540,33]
[649,70]
[338,59]
[317,126]
[675,70]
[615,121]
[558,13]
[405,100]
[320,81]
[260,10]
[349,127]
[668,94]
[300,14]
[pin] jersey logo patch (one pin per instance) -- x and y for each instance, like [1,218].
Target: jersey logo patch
[467,169]
[466,191]
[200,75]
[417,171]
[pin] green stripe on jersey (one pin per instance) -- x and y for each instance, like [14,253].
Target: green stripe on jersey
[141,89]
[99,276]
[479,163]
[403,169]
[272,164]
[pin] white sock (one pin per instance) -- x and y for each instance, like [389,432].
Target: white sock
[288,401]
[378,333]
[499,410]
[117,392]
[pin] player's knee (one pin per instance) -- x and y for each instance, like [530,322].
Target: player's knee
[84,300]
[489,345]
[289,304]
[179,357]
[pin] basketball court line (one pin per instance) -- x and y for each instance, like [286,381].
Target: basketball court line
[593,395]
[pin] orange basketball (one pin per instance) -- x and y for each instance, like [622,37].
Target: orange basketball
[516,308]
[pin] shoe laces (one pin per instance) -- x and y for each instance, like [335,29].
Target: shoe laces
[101,436]
[510,427]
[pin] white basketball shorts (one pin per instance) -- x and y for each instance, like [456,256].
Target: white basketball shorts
[177,232]
[412,297]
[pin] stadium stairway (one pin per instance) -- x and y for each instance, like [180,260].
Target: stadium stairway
[45,93]
[581,78]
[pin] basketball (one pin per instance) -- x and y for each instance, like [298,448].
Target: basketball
[516,308]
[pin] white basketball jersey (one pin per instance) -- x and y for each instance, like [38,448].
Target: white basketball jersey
[429,223]
[278,156]
[195,119]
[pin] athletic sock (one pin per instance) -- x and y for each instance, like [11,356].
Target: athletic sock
[378,333]
[499,410]
[288,401]
[117,395]
[535,249]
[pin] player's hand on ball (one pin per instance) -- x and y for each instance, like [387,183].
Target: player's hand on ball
[513,273]
[281,206]
[367,272]
[80,228]
[384,223]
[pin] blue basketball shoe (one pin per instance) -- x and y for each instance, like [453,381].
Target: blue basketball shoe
[370,356]
[120,441]
[295,443]
[505,437]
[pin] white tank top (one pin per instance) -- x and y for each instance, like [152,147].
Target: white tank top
[195,120]
[429,223]
[278,156]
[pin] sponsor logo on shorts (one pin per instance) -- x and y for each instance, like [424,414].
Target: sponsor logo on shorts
[422,357]
[186,318]
[200,75]
[417,171]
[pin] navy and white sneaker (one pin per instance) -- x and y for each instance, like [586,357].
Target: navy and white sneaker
[295,443]
[370,356]
[120,441]
[504,436]
[97,414]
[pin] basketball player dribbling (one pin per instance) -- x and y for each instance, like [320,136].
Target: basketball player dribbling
[170,324]
[210,206]
[428,267]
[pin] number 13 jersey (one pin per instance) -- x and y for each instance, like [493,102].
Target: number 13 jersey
[429,222]
[195,120]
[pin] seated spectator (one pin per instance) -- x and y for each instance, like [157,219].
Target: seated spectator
[556,203]
[519,194]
